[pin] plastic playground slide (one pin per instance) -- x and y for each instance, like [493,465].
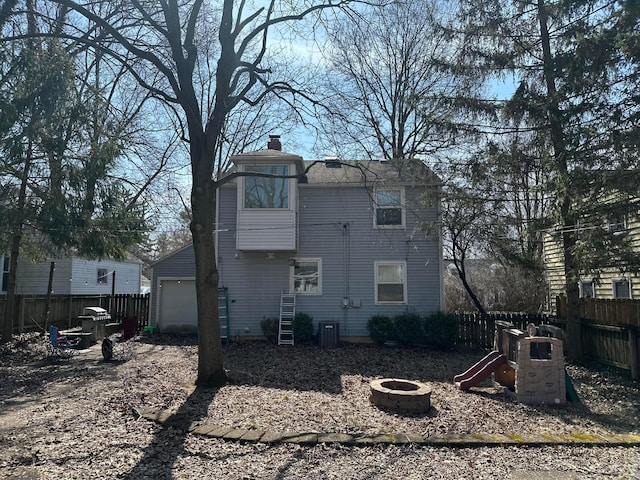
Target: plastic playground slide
[480,370]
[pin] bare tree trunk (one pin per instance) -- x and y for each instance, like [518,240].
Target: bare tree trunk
[472,295]
[16,240]
[573,333]
[210,363]
[10,304]
[47,305]
[459,263]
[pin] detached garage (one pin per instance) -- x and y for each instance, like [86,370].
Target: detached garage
[173,292]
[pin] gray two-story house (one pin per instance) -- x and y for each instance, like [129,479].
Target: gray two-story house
[342,237]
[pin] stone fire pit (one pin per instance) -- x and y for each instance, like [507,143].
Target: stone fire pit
[400,395]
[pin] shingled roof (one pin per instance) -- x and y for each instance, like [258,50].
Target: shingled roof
[370,172]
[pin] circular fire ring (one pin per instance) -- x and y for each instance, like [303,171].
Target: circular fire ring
[401,395]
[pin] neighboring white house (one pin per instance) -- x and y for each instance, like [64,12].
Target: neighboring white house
[74,276]
[343,238]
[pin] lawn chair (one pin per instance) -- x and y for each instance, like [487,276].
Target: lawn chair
[59,346]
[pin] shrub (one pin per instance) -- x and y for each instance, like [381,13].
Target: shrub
[381,329]
[441,329]
[270,326]
[303,328]
[408,328]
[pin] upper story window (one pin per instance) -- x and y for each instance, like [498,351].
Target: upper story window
[617,223]
[306,276]
[389,210]
[103,276]
[266,192]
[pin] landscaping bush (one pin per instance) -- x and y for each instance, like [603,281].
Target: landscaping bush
[408,328]
[303,328]
[441,329]
[381,329]
[270,327]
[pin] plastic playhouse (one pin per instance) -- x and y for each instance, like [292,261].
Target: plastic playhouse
[529,366]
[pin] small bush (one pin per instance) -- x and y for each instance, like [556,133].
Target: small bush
[441,329]
[303,328]
[381,329]
[270,326]
[408,327]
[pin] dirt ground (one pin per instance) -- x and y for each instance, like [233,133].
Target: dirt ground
[75,418]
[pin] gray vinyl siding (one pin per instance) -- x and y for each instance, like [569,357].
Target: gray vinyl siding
[255,279]
[33,278]
[76,276]
[255,282]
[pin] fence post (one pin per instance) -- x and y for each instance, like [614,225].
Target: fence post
[70,300]
[21,309]
[633,352]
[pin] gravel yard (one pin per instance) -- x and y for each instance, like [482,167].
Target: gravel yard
[75,418]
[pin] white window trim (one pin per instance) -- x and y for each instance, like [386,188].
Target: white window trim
[290,190]
[618,280]
[318,260]
[587,280]
[375,286]
[616,227]
[104,276]
[375,209]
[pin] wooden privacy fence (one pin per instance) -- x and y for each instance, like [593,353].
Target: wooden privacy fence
[64,310]
[615,345]
[610,330]
[477,331]
[619,311]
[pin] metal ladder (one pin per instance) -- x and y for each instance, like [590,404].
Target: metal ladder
[223,313]
[287,314]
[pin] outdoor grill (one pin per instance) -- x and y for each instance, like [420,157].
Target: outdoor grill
[93,320]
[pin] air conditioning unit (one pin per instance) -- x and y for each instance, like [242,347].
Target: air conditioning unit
[329,334]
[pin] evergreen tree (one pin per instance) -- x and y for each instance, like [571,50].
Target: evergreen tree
[576,64]
[59,196]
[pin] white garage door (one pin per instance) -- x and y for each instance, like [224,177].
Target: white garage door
[178,305]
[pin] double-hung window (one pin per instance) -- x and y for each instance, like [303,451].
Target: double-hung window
[266,192]
[306,276]
[103,276]
[621,288]
[389,209]
[391,282]
[587,289]
[618,224]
